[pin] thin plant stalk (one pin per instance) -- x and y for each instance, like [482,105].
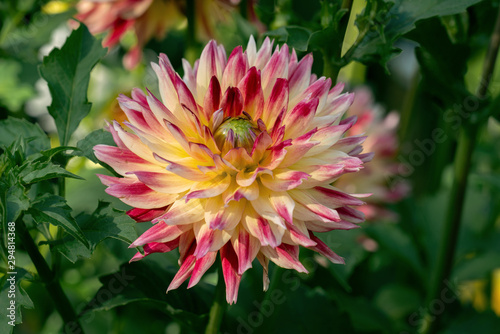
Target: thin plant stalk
[61,301]
[219,305]
[462,163]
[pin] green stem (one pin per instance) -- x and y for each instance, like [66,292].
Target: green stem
[218,307]
[276,278]
[56,256]
[191,51]
[450,233]
[466,143]
[61,301]
[408,105]
[330,69]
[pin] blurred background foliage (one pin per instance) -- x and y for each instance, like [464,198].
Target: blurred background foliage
[421,59]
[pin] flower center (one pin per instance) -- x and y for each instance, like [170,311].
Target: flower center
[236,132]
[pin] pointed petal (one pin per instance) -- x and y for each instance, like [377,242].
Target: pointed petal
[285,256]
[253,96]
[184,272]
[301,75]
[222,217]
[277,101]
[298,121]
[160,232]
[145,215]
[164,182]
[283,179]
[276,68]
[181,213]
[210,65]
[201,266]
[334,198]
[322,248]
[246,248]
[210,188]
[232,102]
[297,234]
[308,208]
[208,240]
[193,174]
[235,69]
[213,96]
[123,160]
[264,262]
[135,193]
[245,179]
[156,247]
[267,233]
[299,148]
[230,272]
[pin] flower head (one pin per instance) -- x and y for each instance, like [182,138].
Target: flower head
[146,18]
[236,158]
[377,177]
[150,18]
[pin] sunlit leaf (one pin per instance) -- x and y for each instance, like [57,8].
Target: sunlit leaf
[67,71]
[54,210]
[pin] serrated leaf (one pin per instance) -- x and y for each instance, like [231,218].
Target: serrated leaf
[13,198]
[105,222]
[142,281]
[86,146]
[67,71]
[25,40]
[378,44]
[44,170]
[11,129]
[53,151]
[54,210]
[21,299]
[13,201]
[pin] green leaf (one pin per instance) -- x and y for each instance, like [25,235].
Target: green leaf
[54,210]
[478,267]
[22,300]
[393,238]
[397,301]
[54,151]
[142,281]
[300,309]
[86,146]
[24,42]
[11,129]
[67,71]
[472,322]
[43,170]
[378,44]
[365,316]
[296,37]
[105,222]
[13,201]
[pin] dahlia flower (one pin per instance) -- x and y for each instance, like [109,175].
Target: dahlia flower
[378,177]
[236,158]
[148,19]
